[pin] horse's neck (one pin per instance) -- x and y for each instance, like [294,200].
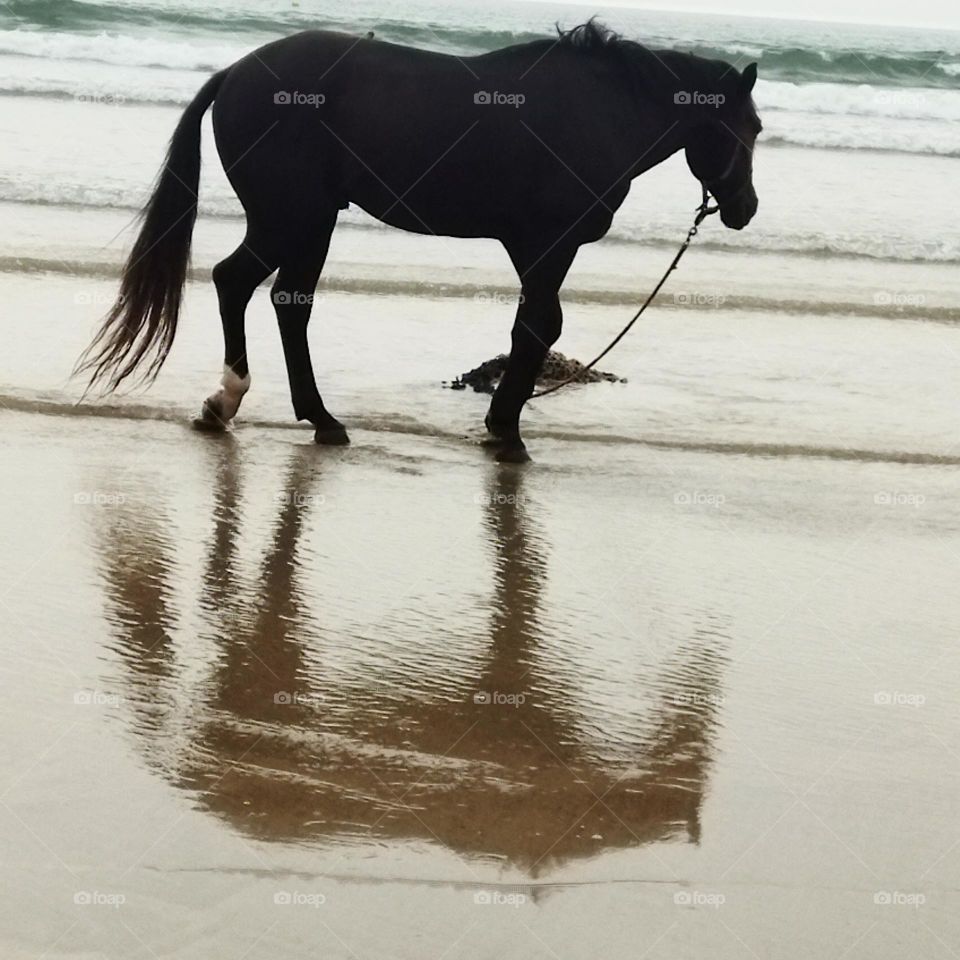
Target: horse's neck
[667,138]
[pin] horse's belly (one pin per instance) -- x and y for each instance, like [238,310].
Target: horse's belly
[439,216]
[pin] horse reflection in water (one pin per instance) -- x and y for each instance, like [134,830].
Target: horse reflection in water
[266,745]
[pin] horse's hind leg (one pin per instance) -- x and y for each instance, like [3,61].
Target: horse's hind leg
[235,278]
[292,296]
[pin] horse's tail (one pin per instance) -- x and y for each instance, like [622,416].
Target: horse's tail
[141,324]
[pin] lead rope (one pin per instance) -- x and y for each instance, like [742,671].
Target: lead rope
[703,211]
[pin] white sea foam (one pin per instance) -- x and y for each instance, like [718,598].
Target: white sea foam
[122,50]
[860,100]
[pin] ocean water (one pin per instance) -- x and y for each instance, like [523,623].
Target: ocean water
[867,115]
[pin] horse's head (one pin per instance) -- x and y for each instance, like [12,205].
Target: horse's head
[720,149]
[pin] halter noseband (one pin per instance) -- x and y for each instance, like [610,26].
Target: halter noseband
[710,185]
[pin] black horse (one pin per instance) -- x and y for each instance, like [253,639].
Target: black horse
[534,145]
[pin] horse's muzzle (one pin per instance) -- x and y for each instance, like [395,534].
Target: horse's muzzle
[739,210]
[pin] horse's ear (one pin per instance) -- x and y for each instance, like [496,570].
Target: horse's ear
[747,79]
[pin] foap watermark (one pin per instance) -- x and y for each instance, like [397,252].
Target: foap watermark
[699,898]
[295,298]
[296,98]
[99,898]
[298,898]
[690,698]
[497,99]
[696,98]
[294,498]
[699,498]
[499,898]
[698,298]
[97,298]
[896,698]
[108,99]
[898,898]
[499,499]
[289,698]
[899,498]
[900,98]
[494,698]
[899,299]
[498,298]
[99,498]
[96,698]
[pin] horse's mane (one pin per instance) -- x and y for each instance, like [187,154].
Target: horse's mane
[594,38]
[591,36]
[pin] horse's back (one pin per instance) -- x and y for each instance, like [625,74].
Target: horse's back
[426,141]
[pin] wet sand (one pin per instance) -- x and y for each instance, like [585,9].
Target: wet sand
[264,699]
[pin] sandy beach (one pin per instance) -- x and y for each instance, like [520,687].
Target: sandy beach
[397,699]
[686,685]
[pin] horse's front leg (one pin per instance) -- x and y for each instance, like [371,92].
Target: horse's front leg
[537,327]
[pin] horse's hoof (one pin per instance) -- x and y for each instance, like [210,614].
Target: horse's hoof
[513,453]
[503,433]
[209,421]
[335,436]
[496,430]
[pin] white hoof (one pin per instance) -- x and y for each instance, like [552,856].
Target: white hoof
[232,390]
